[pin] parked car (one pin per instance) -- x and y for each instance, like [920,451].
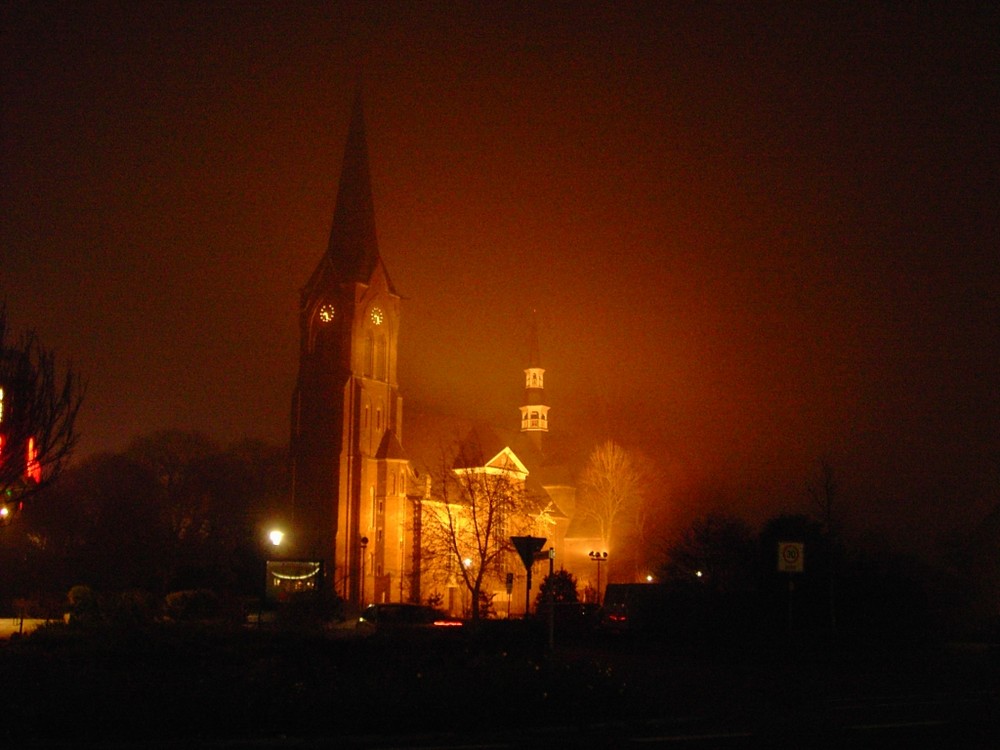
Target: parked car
[635,608]
[403,616]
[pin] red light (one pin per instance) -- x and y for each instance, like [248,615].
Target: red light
[32,469]
[447,624]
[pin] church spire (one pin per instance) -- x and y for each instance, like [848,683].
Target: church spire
[352,253]
[534,413]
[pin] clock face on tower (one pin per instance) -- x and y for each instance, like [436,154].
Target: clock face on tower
[327,313]
[377,316]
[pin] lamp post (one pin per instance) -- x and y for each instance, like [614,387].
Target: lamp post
[275,536]
[364,547]
[599,557]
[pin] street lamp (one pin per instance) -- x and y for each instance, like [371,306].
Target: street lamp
[599,557]
[364,546]
[275,536]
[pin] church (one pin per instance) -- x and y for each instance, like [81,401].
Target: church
[363,502]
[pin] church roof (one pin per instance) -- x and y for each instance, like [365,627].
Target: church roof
[352,253]
[390,447]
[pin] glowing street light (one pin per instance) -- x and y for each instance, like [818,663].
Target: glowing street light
[275,537]
[598,557]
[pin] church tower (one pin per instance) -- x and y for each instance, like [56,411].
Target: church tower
[534,413]
[348,469]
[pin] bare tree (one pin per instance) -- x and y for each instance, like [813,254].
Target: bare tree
[181,462]
[716,553]
[613,487]
[823,491]
[38,409]
[476,505]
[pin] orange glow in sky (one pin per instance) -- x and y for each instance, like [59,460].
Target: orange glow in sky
[752,239]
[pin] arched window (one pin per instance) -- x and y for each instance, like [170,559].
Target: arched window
[369,363]
[380,368]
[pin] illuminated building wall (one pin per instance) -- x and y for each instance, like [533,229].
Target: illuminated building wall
[359,503]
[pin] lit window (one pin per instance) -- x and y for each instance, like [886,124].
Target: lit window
[1,405]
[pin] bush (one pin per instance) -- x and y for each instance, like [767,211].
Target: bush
[83,605]
[562,586]
[311,609]
[192,604]
[131,608]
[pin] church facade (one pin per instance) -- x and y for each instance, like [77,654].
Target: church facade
[361,504]
[349,475]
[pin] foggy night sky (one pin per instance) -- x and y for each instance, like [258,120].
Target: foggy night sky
[755,234]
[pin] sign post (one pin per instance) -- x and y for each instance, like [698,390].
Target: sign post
[527,547]
[791,560]
[510,588]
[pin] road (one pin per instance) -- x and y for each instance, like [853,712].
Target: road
[256,689]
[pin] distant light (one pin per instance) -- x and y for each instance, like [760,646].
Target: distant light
[276,536]
[698,574]
[649,579]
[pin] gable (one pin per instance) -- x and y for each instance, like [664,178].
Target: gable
[507,460]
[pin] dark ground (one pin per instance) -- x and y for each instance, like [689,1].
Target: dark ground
[217,686]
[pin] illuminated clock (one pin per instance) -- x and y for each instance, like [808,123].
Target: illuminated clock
[377,316]
[327,313]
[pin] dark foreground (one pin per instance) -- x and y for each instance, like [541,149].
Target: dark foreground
[499,686]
